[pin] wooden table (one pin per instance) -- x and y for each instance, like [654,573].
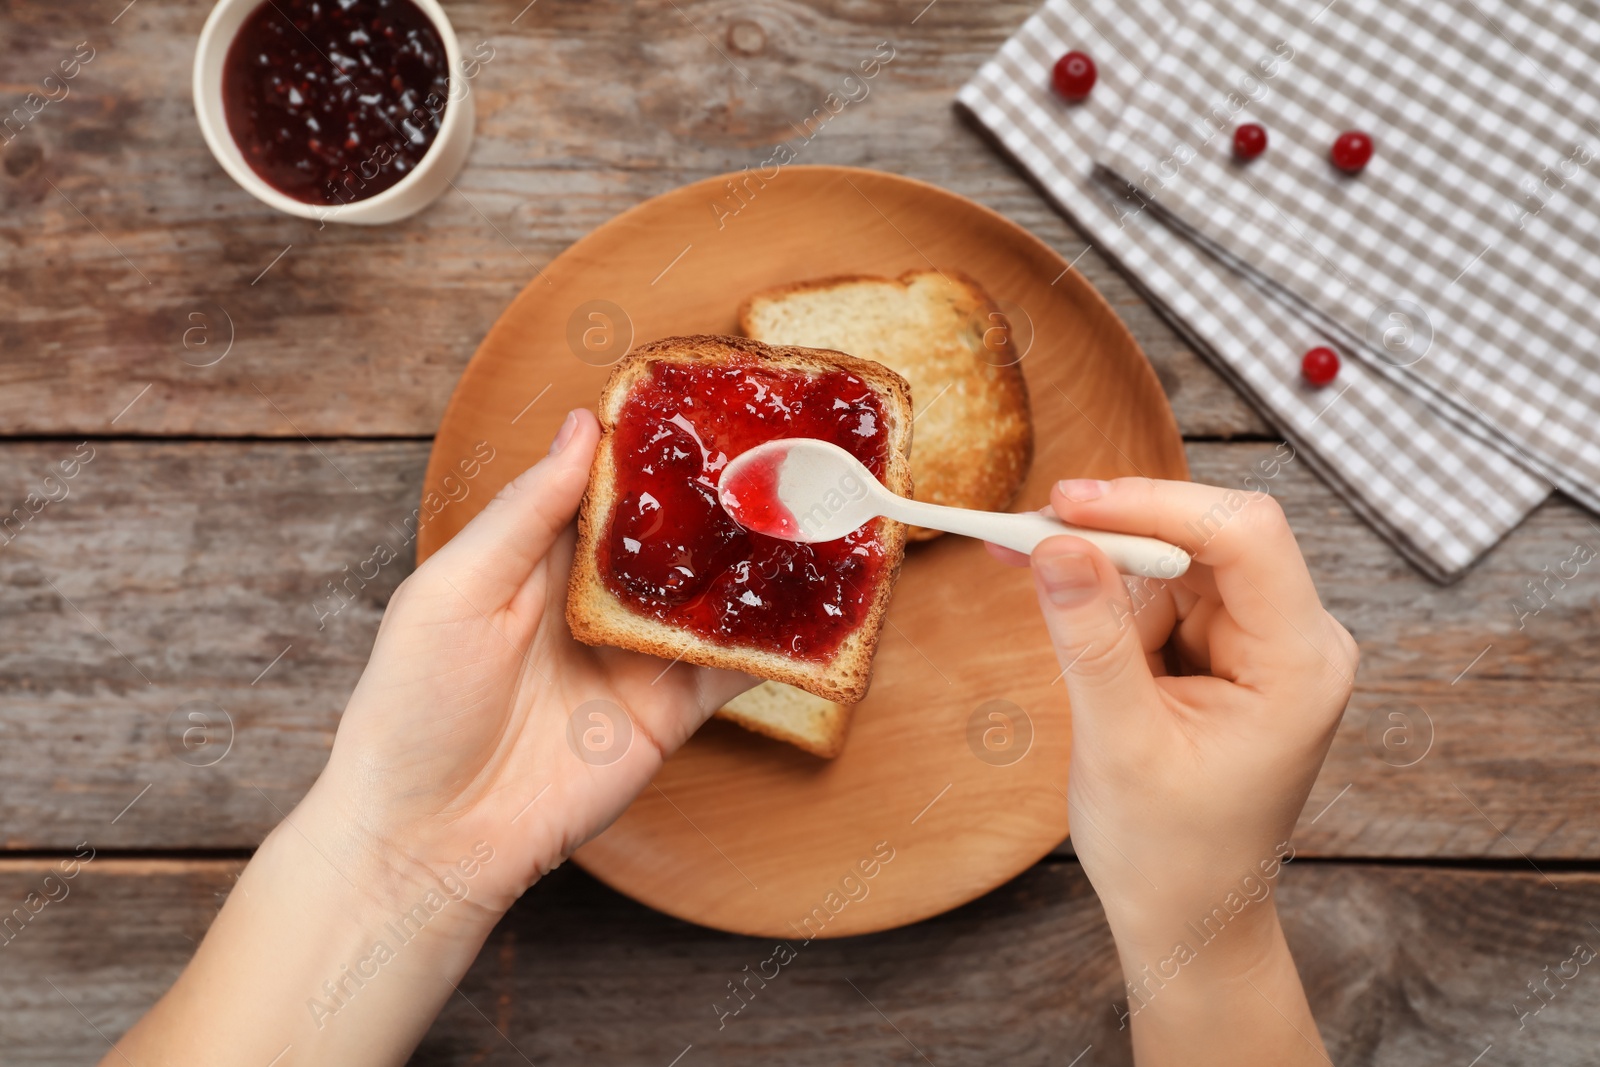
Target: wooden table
[184,568]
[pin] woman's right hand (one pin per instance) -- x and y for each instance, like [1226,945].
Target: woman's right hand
[1202,709]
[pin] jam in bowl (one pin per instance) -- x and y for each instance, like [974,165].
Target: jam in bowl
[339,110]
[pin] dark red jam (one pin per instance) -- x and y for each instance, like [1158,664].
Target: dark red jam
[673,553]
[335,101]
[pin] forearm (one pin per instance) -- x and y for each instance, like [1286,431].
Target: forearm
[1233,999]
[322,954]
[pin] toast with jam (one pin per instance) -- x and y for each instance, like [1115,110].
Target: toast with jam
[661,568]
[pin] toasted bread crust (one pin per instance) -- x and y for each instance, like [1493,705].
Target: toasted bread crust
[828,748]
[824,738]
[975,449]
[597,617]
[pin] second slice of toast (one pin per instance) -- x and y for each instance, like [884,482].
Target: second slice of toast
[660,568]
[785,713]
[939,330]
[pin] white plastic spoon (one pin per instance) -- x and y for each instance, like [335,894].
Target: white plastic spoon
[802,489]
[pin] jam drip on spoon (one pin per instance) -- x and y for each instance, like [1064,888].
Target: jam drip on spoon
[750,494]
[671,552]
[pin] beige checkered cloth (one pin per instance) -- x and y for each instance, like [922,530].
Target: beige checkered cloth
[1443,444]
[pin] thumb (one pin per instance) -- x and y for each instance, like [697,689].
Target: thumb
[1090,620]
[493,555]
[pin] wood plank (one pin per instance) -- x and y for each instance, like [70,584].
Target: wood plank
[177,573]
[121,237]
[202,562]
[1403,965]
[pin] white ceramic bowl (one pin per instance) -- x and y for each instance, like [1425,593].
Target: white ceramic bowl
[406,197]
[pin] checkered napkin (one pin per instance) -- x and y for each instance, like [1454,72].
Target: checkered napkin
[1441,489]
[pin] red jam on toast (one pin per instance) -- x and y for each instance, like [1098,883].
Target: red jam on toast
[670,551]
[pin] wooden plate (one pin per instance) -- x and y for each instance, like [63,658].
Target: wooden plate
[952,780]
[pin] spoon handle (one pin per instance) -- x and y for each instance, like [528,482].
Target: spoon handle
[1130,553]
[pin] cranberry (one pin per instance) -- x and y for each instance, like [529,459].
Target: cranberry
[1074,75]
[1320,366]
[1249,141]
[1351,151]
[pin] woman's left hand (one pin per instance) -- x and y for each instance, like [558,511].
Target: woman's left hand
[480,720]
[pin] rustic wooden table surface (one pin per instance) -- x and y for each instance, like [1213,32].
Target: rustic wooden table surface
[181,568]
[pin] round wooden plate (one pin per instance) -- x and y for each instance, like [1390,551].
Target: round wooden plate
[953,778]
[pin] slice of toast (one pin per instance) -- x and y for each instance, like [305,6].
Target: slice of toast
[788,714]
[941,332]
[742,603]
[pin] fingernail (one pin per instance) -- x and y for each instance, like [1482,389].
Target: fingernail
[1069,579]
[1080,490]
[564,435]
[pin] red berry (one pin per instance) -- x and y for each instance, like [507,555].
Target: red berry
[1249,141]
[1320,366]
[1352,151]
[1074,75]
